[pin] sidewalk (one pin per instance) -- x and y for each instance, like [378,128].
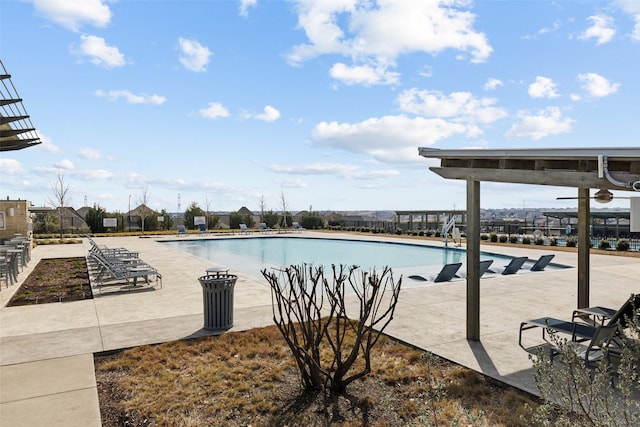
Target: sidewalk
[46,352]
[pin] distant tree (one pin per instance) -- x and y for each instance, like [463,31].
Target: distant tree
[236,218]
[193,210]
[270,218]
[283,203]
[312,221]
[167,222]
[45,223]
[335,220]
[213,221]
[60,197]
[143,209]
[262,205]
[94,218]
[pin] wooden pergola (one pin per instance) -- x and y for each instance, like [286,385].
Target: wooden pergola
[581,168]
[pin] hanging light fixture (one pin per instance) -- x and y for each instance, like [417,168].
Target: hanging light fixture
[603,196]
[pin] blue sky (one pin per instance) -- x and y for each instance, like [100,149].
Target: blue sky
[325,102]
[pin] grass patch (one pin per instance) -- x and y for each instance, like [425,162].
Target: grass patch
[249,378]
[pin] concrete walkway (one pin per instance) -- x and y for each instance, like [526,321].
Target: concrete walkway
[46,352]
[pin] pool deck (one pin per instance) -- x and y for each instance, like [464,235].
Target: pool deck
[46,352]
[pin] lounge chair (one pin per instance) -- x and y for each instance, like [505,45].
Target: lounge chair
[108,273]
[514,266]
[593,351]
[484,266]
[297,227]
[447,273]
[244,229]
[202,229]
[264,228]
[580,331]
[541,263]
[182,231]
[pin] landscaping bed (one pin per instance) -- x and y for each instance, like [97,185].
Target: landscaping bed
[250,378]
[55,280]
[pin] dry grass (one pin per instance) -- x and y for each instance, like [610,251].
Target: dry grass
[249,378]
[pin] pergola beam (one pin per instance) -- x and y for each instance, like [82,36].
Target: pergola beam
[545,177]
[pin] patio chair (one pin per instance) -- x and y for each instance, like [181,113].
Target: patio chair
[202,229]
[514,266]
[580,331]
[599,315]
[181,231]
[244,229]
[542,262]
[122,275]
[484,266]
[590,354]
[297,227]
[447,273]
[264,228]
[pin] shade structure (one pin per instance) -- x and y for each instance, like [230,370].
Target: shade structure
[611,168]
[16,130]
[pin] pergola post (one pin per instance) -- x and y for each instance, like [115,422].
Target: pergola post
[473,260]
[584,246]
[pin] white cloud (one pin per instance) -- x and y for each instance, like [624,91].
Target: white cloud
[97,174]
[378,33]
[632,7]
[195,56]
[245,5]
[543,87]
[10,167]
[388,139]
[89,153]
[99,52]
[72,14]
[64,164]
[214,110]
[270,114]
[460,106]
[596,85]
[492,84]
[362,74]
[602,29]
[539,125]
[338,169]
[143,98]
[47,145]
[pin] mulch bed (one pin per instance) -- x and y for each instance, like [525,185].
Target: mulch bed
[55,280]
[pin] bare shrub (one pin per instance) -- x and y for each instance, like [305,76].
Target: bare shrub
[330,349]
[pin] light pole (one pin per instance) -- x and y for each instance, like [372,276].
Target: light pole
[129,215]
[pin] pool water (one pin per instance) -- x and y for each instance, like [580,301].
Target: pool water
[250,255]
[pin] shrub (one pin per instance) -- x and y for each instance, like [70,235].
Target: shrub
[327,347]
[553,241]
[484,237]
[526,240]
[579,395]
[571,242]
[604,244]
[421,233]
[622,245]
[503,238]
[493,237]
[513,239]
[539,241]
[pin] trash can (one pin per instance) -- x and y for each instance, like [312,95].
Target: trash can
[217,297]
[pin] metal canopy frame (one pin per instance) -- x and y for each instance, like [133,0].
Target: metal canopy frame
[16,130]
[581,168]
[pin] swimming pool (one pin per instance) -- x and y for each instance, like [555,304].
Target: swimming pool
[250,255]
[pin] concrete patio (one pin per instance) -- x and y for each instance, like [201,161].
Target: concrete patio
[46,351]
